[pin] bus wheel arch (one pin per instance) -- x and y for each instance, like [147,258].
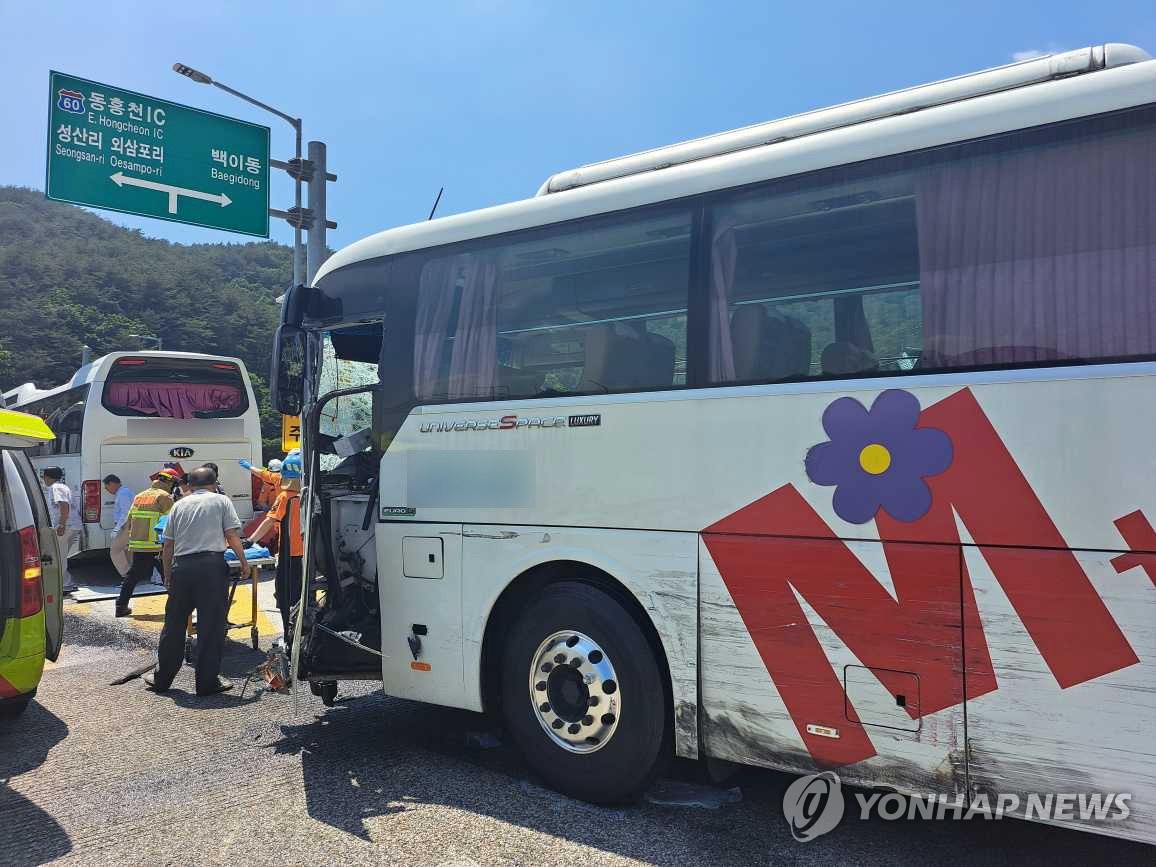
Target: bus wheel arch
[536,585]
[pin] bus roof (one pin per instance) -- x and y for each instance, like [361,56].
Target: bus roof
[1020,74]
[1031,93]
[95,371]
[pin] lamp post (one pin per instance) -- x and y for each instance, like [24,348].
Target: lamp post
[295,122]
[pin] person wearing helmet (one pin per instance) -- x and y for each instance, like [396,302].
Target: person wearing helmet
[148,507]
[270,483]
[285,514]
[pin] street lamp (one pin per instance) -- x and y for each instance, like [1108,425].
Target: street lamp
[295,122]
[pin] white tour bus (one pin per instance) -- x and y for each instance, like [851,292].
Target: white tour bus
[129,413]
[825,443]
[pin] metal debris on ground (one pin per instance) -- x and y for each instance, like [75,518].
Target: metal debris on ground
[133,675]
[672,793]
[275,670]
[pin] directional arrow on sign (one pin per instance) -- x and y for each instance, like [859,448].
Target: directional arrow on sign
[120,179]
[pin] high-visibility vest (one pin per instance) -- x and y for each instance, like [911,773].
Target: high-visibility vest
[147,509]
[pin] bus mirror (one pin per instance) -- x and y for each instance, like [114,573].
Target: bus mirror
[293,305]
[287,380]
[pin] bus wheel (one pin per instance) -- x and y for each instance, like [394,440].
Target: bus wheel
[582,694]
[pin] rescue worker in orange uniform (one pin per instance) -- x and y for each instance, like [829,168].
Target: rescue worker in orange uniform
[270,483]
[285,515]
[270,487]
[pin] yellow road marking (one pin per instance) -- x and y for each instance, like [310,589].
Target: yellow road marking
[149,611]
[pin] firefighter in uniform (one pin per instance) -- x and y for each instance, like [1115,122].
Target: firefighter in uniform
[143,546]
[270,483]
[286,517]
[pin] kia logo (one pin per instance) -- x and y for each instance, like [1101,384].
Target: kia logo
[181,452]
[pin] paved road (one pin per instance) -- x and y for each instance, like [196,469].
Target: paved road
[101,774]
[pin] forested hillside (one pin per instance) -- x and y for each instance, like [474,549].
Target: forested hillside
[69,277]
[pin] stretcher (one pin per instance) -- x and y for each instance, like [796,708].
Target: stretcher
[253,575]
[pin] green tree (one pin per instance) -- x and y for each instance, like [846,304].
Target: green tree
[69,278]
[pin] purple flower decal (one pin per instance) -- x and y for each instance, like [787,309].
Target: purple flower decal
[878,458]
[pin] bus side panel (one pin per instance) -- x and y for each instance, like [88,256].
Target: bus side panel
[1079,723]
[658,568]
[814,658]
[420,591]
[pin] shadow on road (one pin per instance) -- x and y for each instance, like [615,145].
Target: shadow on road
[373,757]
[28,835]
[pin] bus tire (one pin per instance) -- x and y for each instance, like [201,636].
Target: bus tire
[583,694]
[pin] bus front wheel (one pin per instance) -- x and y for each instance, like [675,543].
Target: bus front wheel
[583,695]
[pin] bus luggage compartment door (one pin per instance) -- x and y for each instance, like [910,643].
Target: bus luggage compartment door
[420,582]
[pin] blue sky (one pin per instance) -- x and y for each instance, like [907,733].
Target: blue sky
[489,97]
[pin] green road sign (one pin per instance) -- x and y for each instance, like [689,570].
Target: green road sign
[120,150]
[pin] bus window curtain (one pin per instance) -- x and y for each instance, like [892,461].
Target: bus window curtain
[473,335]
[1038,255]
[435,304]
[178,400]
[474,362]
[723,258]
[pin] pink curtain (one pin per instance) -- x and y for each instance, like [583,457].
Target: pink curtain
[473,359]
[474,363]
[173,400]
[1044,254]
[434,306]
[723,257]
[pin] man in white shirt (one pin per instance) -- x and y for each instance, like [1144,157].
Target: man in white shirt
[64,509]
[200,527]
[118,550]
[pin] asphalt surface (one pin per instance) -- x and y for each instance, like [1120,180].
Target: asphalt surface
[99,774]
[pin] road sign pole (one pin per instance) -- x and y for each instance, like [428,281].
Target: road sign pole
[316,250]
[298,249]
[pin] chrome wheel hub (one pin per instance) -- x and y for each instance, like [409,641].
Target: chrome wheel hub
[574,692]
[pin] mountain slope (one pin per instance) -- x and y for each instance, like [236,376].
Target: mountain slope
[69,277]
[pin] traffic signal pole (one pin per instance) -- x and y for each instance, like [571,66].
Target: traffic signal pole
[313,218]
[316,251]
[307,259]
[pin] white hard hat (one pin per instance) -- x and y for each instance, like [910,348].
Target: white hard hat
[275,465]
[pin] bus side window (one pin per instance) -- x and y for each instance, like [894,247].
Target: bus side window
[597,309]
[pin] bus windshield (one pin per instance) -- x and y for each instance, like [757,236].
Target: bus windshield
[175,388]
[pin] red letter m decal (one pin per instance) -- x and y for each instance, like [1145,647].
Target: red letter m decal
[778,546]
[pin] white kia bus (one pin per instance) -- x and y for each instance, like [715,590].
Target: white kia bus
[128,413]
[825,443]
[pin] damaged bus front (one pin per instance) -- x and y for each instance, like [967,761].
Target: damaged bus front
[338,636]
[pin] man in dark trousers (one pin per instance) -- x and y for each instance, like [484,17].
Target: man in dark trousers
[200,527]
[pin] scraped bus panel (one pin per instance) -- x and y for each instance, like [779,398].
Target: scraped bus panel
[827,453]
